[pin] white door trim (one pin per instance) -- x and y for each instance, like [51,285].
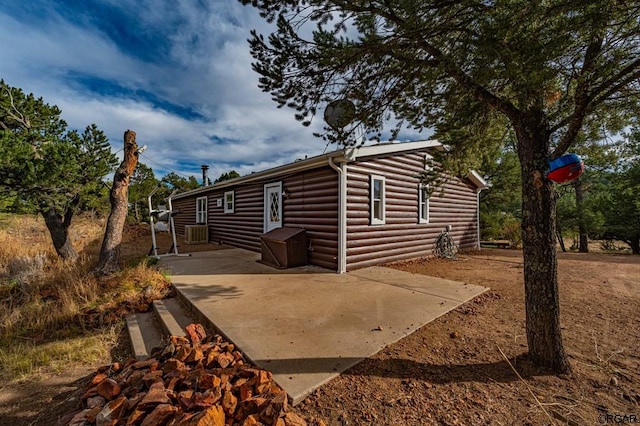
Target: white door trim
[272,188]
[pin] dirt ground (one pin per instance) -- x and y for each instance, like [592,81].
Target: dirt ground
[451,371]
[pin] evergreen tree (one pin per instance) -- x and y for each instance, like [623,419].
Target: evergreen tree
[547,70]
[172,181]
[47,168]
[227,176]
[621,204]
[143,182]
[500,203]
[577,210]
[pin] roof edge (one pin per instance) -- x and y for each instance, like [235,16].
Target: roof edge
[341,155]
[352,154]
[296,166]
[477,180]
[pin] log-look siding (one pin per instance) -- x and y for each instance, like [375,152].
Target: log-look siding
[186,215]
[402,236]
[242,228]
[311,202]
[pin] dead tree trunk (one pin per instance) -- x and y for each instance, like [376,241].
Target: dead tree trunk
[110,252]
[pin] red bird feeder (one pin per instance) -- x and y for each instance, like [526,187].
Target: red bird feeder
[565,169]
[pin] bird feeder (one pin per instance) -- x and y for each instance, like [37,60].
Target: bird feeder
[564,169]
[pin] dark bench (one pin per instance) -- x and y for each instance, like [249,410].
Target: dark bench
[497,243]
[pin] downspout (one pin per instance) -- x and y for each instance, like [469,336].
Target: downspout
[478,191]
[342,214]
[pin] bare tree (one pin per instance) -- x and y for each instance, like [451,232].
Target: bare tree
[110,252]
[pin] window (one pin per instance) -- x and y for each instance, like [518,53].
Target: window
[423,203]
[377,200]
[201,210]
[229,202]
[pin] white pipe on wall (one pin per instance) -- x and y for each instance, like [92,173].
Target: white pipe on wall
[342,214]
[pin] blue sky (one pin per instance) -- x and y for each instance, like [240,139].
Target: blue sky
[177,72]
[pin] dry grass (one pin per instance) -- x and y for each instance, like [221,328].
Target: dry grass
[27,359]
[54,312]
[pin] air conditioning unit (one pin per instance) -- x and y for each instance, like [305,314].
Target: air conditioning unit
[194,234]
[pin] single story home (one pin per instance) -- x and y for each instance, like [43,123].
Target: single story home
[359,206]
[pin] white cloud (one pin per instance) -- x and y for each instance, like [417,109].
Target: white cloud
[208,71]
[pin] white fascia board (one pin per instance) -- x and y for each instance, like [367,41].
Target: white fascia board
[341,155]
[296,166]
[477,180]
[352,154]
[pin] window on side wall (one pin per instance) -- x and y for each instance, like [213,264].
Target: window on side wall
[229,202]
[423,203]
[201,210]
[377,200]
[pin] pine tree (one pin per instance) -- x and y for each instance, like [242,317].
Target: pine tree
[49,169]
[621,204]
[142,183]
[545,69]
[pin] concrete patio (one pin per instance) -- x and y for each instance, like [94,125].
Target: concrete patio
[307,325]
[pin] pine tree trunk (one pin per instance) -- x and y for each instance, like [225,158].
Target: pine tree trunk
[110,252]
[137,213]
[539,248]
[583,244]
[635,244]
[559,236]
[58,227]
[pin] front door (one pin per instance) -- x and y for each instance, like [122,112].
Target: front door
[272,206]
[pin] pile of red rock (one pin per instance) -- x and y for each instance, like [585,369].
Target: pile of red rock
[199,380]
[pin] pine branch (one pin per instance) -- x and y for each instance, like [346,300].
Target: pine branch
[20,118]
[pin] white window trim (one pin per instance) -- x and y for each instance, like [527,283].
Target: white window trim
[421,202]
[383,199]
[201,213]
[228,209]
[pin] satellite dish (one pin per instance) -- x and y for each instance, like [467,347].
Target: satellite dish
[339,113]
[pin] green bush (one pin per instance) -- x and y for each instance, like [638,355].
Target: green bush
[500,226]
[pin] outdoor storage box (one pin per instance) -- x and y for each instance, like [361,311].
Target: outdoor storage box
[284,247]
